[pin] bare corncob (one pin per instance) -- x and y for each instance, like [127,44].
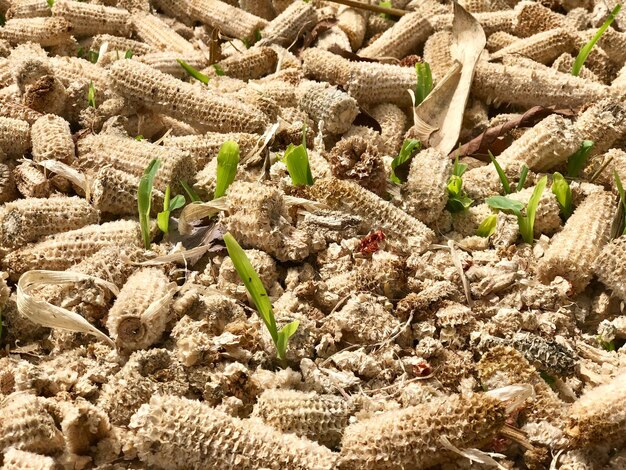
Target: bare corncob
[532,18]
[321,418]
[163,93]
[323,102]
[134,5]
[326,67]
[491,21]
[572,251]
[499,40]
[232,21]
[88,19]
[44,31]
[612,42]
[604,123]
[117,43]
[610,268]
[14,137]
[138,318]
[411,437]
[28,9]
[167,62]
[353,22]
[75,69]
[133,157]
[598,61]
[8,190]
[425,194]
[16,110]
[476,6]
[564,64]
[393,123]
[409,233]
[253,63]
[282,92]
[437,53]
[261,8]
[613,160]
[28,220]
[15,459]
[547,217]
[410,32]
[155,32]
[52,139]
[542,47]
[379,83]
[297,19]
[516,85]
[30,181]
[178,9]
[60,251]
[191,433]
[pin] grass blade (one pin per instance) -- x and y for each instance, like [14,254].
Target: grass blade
[563,193]
[284,334]
[163,218]
[586,49]
[459,168]
[488,226]
[91,95]
[297,160]
[193,196]
[577,161]
[424,82]
[527,224]
[227,161]
[128,54]
[503,179]
[144,200]
[622,197]
[409,147]
[193,72]
[522,178]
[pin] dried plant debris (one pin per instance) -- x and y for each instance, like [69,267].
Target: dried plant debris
[292,234]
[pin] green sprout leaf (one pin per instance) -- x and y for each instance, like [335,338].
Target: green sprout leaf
[92,56]
[193,72]
[163,217]
[385,4]
[128,54]
[257,35]
[459,168]
[503,179]
[139,138]
[527,224]
[424,82]
[606,345]
[193,196]
[458,201]
[522,178]
[227,161]
[50,3]
[563,193]
[622,197]
[219,71]
[259,296]
[577,160]
[488,226]
[586,49]
[91,95]
[409,147]
[297,160]
[144,200]
[503,203]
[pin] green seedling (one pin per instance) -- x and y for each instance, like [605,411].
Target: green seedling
[606,345]
[297,160]
[163,217]
[409,148]
[128,54]
[525,222]
[488,226]
[92,56]
[577,160]
[385,4]
[458,201]
[506,185]
[563,193]
[193,196]
[193,72]
[91,95]
[424,82]
[144,200]
[227,161]
[139,138]
[50,3]
[586,49]
[219,71]
[622,199]
[259,296]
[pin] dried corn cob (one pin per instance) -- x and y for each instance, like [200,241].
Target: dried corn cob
[117,43]
[230,20]
[28,9]
[404,37]
[30,181]
[261,8]
[578,18]
[26,424]
[178,9]
[62,250]
[327,67]
[75,69]
[393,123]
[253,63]
[379,83]
[297,19]
[516,85]
[491,21]
[155,32]
[476,6]
[282,92]
[321,418]
[323,102]
[532,18]
[572,251]
[411,437]
[499,40]
[425,194]
[542,47]
[88,19]
[14,137]
[133,5]
[52,139]
[15,459]
[547,218]
[163,93]
[44,31]
[353,22]
[564,64]
[139,315]
[437,54]
[609,267]
[615,160]
[133,157]
[406,231]
[16,110]
[598,62]
[604,123]
[377,25]
[167,62]
[191,433]
[27,220]
[8,190]
[612,42]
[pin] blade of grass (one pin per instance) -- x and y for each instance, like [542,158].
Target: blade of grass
[459,168]
[128,54]
[193,196]
[522,179]
[577,161]
[144,200]
[193,72]
[297,160]
[586,49]
[424,81]
[284,334]
[409,147]
[563,193]
[219,71]
[622,197]
[488,226]
[527,223]
[503,179]
[227,161]
[91,95]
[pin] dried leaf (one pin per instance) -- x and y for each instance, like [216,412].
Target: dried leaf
[318,29]
[197,211]
[440,115]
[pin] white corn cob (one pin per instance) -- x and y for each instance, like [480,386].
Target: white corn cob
[133,5]
[376,25]
[15,459]
[324,102]
[564,64]
[178,9]
[44,31]
[8,190]
[321,418]
[163,93]
[532,18]
[353,22]
[437,54]
[297,19]
[75,69]
[62,250]
[118,43]
[326,67]
[155,32]
[30,181]
[491,21]
[282,92]
[542,47]
[231,21]
[28,9]
[604,123]
[398,226]
[139,315]
[166,62]
[14,137]
[615,160]
[476,6]
[547,218]
[52,139]
[579,18]
[261,8]
[88,19]
[252,63]
[16,110]
[573,250]
[333,38]
[27,220]
[191,433]
[610,268]
[499,40]
[380,83]
[516,85]
[393,123]
[425,194]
